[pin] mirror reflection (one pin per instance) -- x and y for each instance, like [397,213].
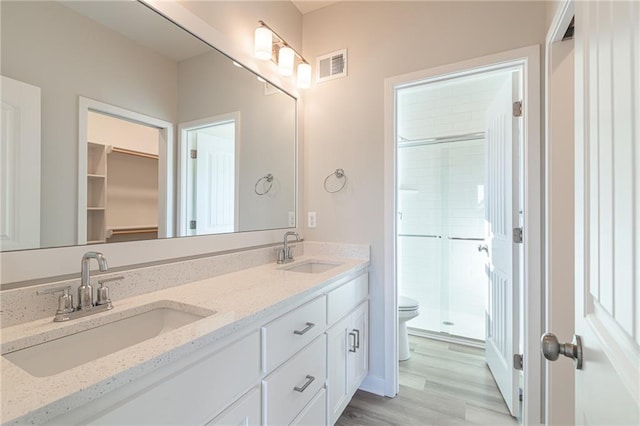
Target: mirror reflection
[119,126]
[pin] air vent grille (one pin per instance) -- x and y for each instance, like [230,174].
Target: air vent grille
[332,65]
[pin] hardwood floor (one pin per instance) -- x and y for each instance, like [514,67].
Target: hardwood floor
[442,384]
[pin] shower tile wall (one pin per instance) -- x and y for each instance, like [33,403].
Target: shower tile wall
[441,194]
[429,111]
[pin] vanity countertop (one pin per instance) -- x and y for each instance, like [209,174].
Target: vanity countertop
[239,299]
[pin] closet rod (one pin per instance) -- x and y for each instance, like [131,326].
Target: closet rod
[126,231]
[132,152]
[402,142]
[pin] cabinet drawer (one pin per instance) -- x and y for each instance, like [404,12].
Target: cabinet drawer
[245,411]
[345,298]
[196,394]
[291,332]
[292,386]
[314,414]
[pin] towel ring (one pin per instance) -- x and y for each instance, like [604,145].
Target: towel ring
[339,174]
[268,178]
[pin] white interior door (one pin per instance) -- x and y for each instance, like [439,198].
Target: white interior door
[501,214]
[19,166]
[215,184]
[607,50]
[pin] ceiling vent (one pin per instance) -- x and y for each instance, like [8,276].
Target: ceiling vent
[331,66]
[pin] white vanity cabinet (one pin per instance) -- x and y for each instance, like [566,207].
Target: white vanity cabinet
[347,343]
[298,366]
[192,395]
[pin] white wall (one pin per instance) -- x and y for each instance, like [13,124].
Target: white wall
[266,133]
[344,117]
[237,21]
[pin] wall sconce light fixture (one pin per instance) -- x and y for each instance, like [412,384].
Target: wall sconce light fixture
[269,45]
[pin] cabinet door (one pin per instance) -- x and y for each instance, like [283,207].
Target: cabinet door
[337,368]
[358,348]
[314,414]
[244,412]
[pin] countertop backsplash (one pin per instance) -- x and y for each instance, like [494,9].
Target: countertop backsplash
[23,305]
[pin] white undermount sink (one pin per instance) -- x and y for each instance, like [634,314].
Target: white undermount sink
[311,267]
[62,354]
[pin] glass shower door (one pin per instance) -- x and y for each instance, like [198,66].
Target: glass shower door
[440,224]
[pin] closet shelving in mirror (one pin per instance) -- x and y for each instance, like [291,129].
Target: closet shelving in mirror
[96,192]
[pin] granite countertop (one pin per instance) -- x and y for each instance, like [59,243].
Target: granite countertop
[239,300]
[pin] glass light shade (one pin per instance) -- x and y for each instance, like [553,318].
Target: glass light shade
[262,44]
[304,76]
[285,61]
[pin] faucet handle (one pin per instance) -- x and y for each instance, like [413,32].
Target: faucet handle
[102,297]
[65,301]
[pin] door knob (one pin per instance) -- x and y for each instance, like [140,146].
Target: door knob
[552,349]
[483,247]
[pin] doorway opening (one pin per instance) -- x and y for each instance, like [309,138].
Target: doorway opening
[458,159]
[125,175]
[510,195]
[208,176]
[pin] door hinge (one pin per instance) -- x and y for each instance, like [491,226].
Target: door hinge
[194,153]
[517,109]
[517,235]
[192,224]
[517,361]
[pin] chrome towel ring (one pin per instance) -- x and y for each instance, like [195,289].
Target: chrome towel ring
[264,180]
[339,174]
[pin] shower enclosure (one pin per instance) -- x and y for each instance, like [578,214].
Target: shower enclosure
[440,234]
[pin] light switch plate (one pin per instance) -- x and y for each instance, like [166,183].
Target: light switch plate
[311,220]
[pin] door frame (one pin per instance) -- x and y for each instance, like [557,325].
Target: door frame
[166,210]
[529,59]
[559,378]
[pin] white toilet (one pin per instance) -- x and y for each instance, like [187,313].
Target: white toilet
[407,310]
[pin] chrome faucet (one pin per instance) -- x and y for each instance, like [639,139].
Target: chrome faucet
[285,254]
[85,291]
[87,305]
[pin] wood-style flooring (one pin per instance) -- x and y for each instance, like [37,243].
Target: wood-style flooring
[442,384]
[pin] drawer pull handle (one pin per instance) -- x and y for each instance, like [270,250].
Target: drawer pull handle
[309,326]
[357,337]
[353,346]
[310,380]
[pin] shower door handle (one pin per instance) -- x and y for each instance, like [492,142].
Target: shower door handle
[483,247]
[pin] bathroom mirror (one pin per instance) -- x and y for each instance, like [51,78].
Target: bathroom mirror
[119,125]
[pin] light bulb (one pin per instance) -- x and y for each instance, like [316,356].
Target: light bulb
[304,75]
[263,43]
[285,61]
